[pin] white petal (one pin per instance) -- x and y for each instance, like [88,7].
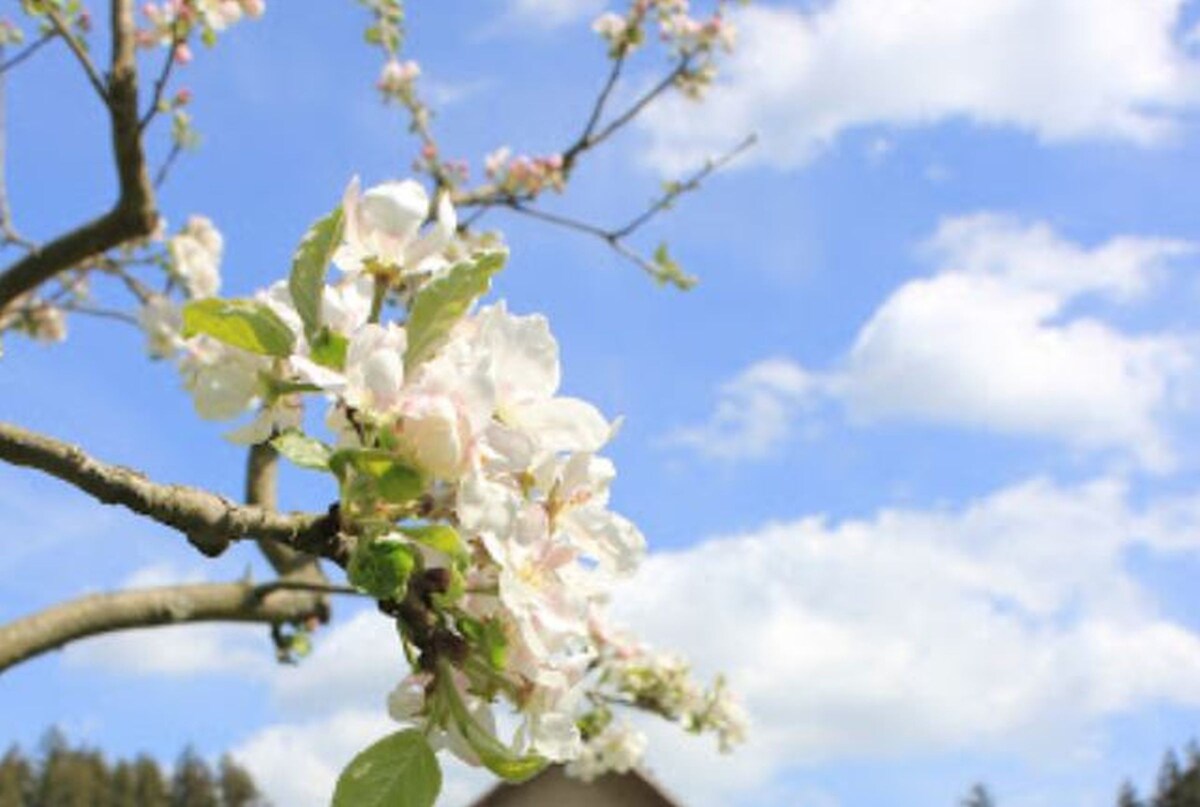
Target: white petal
[561,424]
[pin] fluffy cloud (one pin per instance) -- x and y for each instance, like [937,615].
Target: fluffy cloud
[1008,625]
[1059,69]
[990,341]
[755,414]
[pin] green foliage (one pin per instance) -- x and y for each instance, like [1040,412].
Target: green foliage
[667,271]
[305,451]
[398,771]
[328,349]
[246,324]
[370,475]
[443,538]
[192,784]
[307,280]
[62,775]
[495,755]
[443,302]
[236,786]
[381,568]
[17,780]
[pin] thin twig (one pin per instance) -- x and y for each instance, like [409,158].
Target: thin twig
[81,54]
[102,313]
[593,120]
[685,186]
[30,49]
[8,231]
[615,237]
[165,169]
[160,84]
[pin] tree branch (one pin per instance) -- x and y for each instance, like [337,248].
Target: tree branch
[76,47]
[209,521]
[134,215]
[26,52]
[615,237]
[141,608]
[262,484]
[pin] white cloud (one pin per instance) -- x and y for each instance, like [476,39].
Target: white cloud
[1059,69]
[755,414]
[989,341]
[1010,625]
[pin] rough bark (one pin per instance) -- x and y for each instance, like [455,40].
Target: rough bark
[141,608]
[209,521]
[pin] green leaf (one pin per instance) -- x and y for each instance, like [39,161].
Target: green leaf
[307,281]
[441,537]
[398,771]
[489,637]
[246,324]
[495,755]
[328,349]
[443,302]
[305,451]
[381,568]
[384,474]
[668,271]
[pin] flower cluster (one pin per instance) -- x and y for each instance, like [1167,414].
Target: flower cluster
[692,40]
[397,78]
[10,33]
[524,175]
[170,23]
[472,491]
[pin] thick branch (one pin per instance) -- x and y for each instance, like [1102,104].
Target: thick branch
[134,215]
[209,521]
[140,608]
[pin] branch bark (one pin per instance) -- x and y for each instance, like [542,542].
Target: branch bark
[209,521]
[262,490]
[140,608]
[134,215]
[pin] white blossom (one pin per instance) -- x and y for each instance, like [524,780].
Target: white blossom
[195,255]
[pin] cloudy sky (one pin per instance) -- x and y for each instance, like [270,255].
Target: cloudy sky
[917,459]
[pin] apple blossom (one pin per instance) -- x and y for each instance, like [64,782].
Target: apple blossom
[472,490]
[195,255]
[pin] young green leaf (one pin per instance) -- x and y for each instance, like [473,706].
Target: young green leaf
[441,537]
[398,771]
[328,349]
[382,474]
[381,568]
[442,303]
[305,451]
[246,324]
[495,755]
[307,281]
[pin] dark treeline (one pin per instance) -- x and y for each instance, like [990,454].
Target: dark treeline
[1178,785]
[59,775]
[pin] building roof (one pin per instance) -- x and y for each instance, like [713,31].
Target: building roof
[553,788]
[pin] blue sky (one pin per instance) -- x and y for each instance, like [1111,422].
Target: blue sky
[916,457]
